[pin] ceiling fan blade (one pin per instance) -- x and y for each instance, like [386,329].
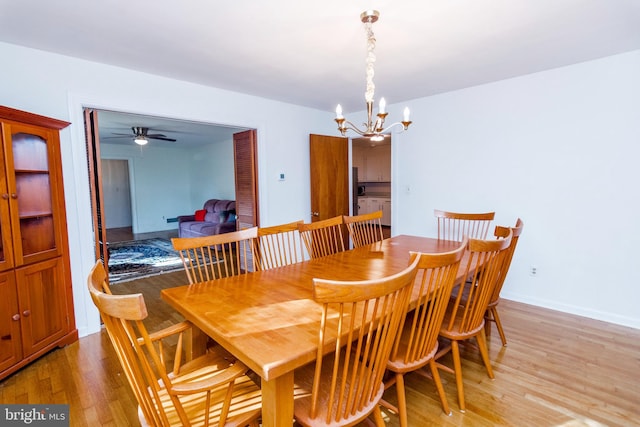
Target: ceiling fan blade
[160,137]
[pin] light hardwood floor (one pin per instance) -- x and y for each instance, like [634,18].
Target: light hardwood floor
[557,370]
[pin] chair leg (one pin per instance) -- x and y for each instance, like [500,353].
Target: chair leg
[402,400]
[455,352]
[436,379]
[484,352]
[378,417]
[496,318]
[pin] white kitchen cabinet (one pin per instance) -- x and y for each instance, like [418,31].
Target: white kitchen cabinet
[378,163]
[372,204]
[373,163]
[386,212]
[364,205]
[358,160]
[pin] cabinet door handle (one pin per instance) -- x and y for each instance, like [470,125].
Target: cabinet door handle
[26,313]
[14,196]
[15,317]
[5,196]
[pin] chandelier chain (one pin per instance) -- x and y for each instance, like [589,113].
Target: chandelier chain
[371,59]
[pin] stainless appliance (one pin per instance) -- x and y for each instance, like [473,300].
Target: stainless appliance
[354,191]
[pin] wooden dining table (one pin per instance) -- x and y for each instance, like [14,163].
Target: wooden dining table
[268,319]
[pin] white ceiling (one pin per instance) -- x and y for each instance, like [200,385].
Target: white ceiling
[186,133]
[312,53]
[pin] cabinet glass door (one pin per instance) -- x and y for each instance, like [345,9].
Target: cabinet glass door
[34,193]
[6,248]
[30,194]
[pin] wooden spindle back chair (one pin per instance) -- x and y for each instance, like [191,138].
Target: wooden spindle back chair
[455,225]
[207,391]
[492,308]
[364,229]
[464,318]
[322,238]
[359,323]
[280,245]
[221,255]
[417,343]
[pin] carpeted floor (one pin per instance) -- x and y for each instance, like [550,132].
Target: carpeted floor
[141,258]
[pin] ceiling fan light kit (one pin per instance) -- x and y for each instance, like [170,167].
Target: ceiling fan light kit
[373,130]
[140,140]
[141,135]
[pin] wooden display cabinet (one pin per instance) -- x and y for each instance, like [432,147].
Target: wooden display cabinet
[36,300]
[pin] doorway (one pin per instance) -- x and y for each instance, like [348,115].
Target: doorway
[371,177]
[157,199]
[117,196]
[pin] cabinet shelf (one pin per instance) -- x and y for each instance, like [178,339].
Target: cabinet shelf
[35,215]
[31,171]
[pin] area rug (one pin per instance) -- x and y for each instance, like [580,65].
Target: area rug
[141,258]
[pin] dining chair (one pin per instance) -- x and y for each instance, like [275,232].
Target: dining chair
[221,255]
[364,229]
[454,225]
[417,343]
[322,238]
[279,245]
[492,309]
[207,391]
[464,317]
[358,326]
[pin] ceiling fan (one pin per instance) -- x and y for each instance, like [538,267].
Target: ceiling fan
[141,135]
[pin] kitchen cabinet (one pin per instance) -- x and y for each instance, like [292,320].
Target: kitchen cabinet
[373,163]
[372,204]
[358,160]
[36,302]
[386,212]
[378,163]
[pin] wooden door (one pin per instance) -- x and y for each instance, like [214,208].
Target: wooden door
[11,348]
[95,186]
[42,304]
[246,172]
[329,157]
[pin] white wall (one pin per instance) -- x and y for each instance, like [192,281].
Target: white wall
[170,181]
[159,182]
[59,86]
[558,149]
[212,173]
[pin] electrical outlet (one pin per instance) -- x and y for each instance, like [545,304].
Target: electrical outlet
[533,271]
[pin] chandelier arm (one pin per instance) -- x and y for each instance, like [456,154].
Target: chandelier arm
[346,125]
[405,126]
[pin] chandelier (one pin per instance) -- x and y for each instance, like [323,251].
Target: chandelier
[372,129]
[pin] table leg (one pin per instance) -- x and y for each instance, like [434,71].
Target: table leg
[277,401]
[195,343]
